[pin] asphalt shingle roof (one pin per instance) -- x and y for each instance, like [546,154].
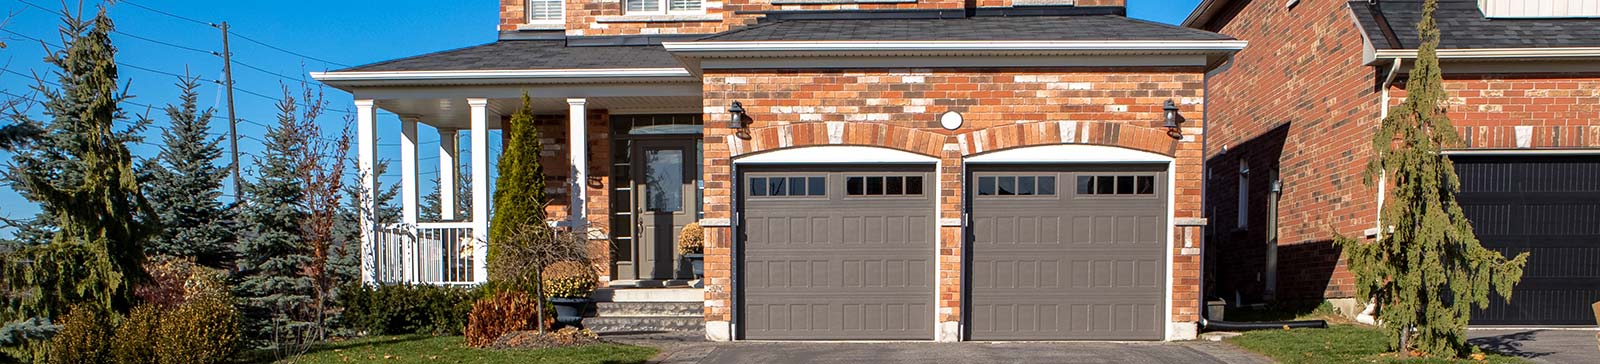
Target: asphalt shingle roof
[1463,26]
[529,54]
[1081,27]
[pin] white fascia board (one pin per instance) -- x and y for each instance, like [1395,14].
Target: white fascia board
[969,46]
[337,76]
[1496,53]
[835,154]
[1068,153]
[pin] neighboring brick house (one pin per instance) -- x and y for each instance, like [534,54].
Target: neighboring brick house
[863,169]
[1291,121]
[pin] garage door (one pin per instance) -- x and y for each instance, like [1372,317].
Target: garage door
[837,253]
[1068,252]
[1548,206]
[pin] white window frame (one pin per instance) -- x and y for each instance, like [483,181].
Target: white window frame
[559,20]
[663,7]
[1244,195]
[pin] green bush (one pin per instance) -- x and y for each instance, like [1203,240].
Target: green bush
[205,328]
[134,341]
[405,309]
[84,337]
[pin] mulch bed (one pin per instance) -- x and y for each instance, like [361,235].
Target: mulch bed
[565,337]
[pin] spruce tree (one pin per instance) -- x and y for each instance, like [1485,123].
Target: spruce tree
[519,192]
[429,207]
[273,255]
[345,264]
[1428,269]
[82,174]
[186,183]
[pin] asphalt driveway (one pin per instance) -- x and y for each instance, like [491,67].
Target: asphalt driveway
[977,353]
[1540,346]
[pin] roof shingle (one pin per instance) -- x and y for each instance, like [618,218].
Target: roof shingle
[1463,26]
[529,54]
[1036,28]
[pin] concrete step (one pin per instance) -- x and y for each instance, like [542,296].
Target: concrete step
[605,325]
[646,309]
[649,295]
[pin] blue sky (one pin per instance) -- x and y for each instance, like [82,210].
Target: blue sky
[322,35]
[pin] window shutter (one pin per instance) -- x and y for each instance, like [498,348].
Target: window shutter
[544,10]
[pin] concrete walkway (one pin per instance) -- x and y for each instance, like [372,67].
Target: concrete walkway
[682,350]
[1540,346]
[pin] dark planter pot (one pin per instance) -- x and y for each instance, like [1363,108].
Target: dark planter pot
[569,311]
[697,262]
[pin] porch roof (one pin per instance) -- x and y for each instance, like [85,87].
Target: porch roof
[1462,25]
[976,28]
[529,55]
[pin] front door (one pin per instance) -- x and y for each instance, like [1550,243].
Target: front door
[665,186]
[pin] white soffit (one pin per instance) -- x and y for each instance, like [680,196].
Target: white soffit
[835,154]
[1069,153]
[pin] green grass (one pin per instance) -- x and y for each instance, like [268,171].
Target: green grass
[1335,344]
[453,349]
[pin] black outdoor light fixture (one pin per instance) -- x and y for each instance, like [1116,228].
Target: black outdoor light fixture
[736,115]
[1174,120]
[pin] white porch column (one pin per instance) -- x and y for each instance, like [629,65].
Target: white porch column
[447,174]
[578,147]
[408,189]
[367,154]
[480,187]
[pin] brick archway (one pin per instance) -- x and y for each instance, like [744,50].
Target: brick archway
[1142,138]
[786,136]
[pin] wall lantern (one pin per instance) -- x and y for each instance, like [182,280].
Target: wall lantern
[1174,120]
[736,115]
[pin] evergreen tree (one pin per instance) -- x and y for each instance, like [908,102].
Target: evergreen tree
[429,207]
[1427,272]
[519,192]
[81,173]
[273,254]
[346,261]
[186,183]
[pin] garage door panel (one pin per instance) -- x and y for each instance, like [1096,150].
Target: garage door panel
[1548,206]
[1064,265]
[835,266]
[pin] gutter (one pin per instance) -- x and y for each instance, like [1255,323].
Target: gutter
[974,46]
[337,76]
[1496,53]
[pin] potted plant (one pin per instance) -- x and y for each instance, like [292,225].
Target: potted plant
[569,284]
[692,244]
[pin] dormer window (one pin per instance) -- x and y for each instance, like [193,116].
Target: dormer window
[545,12]
[664,7]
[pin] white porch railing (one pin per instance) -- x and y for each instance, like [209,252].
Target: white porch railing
[429,253]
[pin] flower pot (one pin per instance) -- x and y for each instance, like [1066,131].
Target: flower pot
[569,311]
[697,262]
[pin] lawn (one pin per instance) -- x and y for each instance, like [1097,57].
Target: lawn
[1335,344]
[453,349]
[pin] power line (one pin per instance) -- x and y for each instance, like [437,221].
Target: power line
[174,16]
[173,45]
[264,44]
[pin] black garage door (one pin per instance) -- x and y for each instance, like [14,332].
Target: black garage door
[837,253]
[1548,206]
[1067,252]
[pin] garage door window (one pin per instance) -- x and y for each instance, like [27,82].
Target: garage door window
[862,186]
[1017,186]
[1116,185]
[788,186]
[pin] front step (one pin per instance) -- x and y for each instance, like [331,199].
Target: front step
[646,309]
[612,325]
[649,295]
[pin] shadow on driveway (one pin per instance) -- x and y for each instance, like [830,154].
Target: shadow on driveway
[1545,346]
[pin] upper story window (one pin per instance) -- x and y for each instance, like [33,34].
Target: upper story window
[648,7]
[545,11]
[1540,8]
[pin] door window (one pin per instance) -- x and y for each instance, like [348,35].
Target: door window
[663,180]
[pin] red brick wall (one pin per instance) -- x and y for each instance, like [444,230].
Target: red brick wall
[899,109]
[553,133]
[1554,110]
[1300,100]
[582,15]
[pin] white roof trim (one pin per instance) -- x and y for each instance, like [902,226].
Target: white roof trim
[1115,45]
[1069,153]
[835,154]
[1494,53]
[336,76]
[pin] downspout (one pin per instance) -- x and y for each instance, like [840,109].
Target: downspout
[1369,315]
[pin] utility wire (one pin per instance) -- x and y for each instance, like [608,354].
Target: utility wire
[264,44]
[173,45]
[174,16]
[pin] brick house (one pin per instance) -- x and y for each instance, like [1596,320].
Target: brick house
[863,169]
[1294,112]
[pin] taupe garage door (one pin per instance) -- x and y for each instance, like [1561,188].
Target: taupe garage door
[837,253]
[1067,252]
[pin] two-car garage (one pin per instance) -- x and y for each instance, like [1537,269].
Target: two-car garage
[849,251]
